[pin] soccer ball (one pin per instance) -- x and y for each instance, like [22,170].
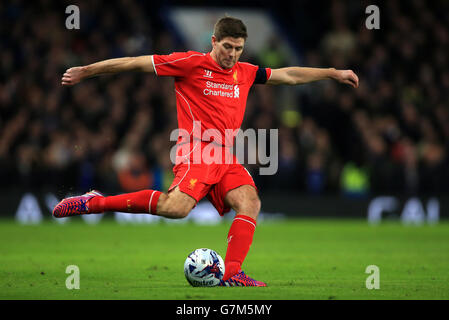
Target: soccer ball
[204,268]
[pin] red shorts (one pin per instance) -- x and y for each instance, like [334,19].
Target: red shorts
[213,180]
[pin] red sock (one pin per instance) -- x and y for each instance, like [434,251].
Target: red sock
[144,201]
[240,237]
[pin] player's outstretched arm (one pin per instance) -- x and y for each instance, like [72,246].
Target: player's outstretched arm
[301,75]
[76,74]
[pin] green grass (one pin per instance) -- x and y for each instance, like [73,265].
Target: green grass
[299,259]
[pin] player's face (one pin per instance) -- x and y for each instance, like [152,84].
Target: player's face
[227,51]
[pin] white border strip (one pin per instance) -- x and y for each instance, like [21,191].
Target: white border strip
[190,109]
[246,221]
[151,198]
[193,55]
[154,66]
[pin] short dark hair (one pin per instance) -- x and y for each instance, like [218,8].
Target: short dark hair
[230,27]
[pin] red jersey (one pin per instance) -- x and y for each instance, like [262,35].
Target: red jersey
[209,97]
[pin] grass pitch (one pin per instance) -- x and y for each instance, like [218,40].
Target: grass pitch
[299,259]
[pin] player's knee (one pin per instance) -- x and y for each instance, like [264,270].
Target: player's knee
[255,206]
[251,207]
[180,212]
[170,208]
[175,212]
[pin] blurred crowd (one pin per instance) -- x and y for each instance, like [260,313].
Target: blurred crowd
[391,134]
[112,133]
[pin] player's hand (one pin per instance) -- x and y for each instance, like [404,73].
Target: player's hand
[347,77]
[73,76]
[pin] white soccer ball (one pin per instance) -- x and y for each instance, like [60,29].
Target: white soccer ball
[204,268]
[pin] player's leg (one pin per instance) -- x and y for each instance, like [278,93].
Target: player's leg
[246,203]
[244,200]
[174,204]
[237,190]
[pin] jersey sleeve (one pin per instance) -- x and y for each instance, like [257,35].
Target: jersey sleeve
[176,64]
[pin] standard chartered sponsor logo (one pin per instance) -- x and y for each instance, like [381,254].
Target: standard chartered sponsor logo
[215,85]
[221,90]
[208,92]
